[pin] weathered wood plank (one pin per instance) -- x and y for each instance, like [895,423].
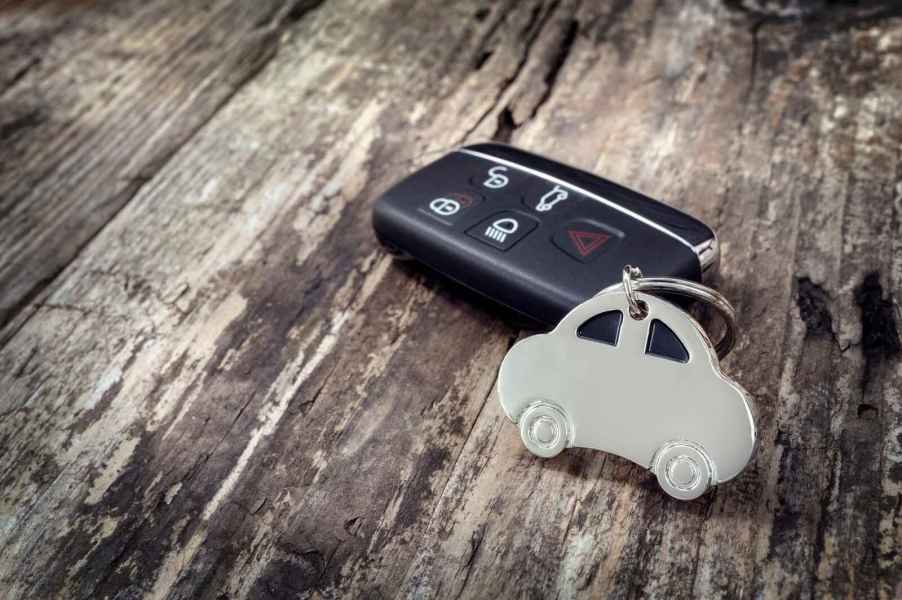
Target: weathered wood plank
[94,100]
[213,194]
[231,392]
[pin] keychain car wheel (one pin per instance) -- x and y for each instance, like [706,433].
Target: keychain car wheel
[684,470]
[545,429]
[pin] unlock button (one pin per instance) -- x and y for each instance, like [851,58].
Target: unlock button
[504,229]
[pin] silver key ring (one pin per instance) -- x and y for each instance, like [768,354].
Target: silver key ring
[634,282]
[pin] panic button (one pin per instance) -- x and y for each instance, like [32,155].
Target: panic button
[504,229]
[586,240]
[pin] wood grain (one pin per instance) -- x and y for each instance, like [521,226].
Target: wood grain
[216,385]
[95,99]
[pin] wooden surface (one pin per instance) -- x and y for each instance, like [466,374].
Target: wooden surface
[214,384]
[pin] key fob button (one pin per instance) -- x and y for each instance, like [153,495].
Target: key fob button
[448,208]
[586,240]
[495,178]
[546,197]
[503,230]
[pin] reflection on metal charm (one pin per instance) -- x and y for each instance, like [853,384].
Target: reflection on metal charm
[631,374]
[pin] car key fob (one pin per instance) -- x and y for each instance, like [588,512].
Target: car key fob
[532,234]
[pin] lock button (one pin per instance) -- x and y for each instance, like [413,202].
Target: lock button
[503,230]
[449,207]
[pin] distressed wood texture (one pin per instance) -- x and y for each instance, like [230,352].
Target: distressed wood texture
[214,384]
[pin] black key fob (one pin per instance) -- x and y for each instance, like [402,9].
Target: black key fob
[535,235]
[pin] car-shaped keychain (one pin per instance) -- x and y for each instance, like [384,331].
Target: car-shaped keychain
[634,375]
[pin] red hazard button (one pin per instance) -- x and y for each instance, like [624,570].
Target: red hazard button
[586,240]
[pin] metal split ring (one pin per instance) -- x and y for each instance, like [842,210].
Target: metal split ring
[638,310]
[634,282]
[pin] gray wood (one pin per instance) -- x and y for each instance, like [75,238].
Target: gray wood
[94,99]
[216,385]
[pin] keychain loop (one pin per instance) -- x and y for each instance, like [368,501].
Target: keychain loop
[634,282]
[638,309]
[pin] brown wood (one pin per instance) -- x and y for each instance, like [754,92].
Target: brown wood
[216,385]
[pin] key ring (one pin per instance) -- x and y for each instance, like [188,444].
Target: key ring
[634,282]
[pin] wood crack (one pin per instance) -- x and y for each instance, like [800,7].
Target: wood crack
[814,308]
[753,63]
[534,26]
[451,473]
[556,64]
[843,14]
[475,544]
[507,125]
[879,331]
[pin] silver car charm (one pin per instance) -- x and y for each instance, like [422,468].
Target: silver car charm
[632,374]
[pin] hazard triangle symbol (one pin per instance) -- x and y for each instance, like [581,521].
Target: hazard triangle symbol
[587,242]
